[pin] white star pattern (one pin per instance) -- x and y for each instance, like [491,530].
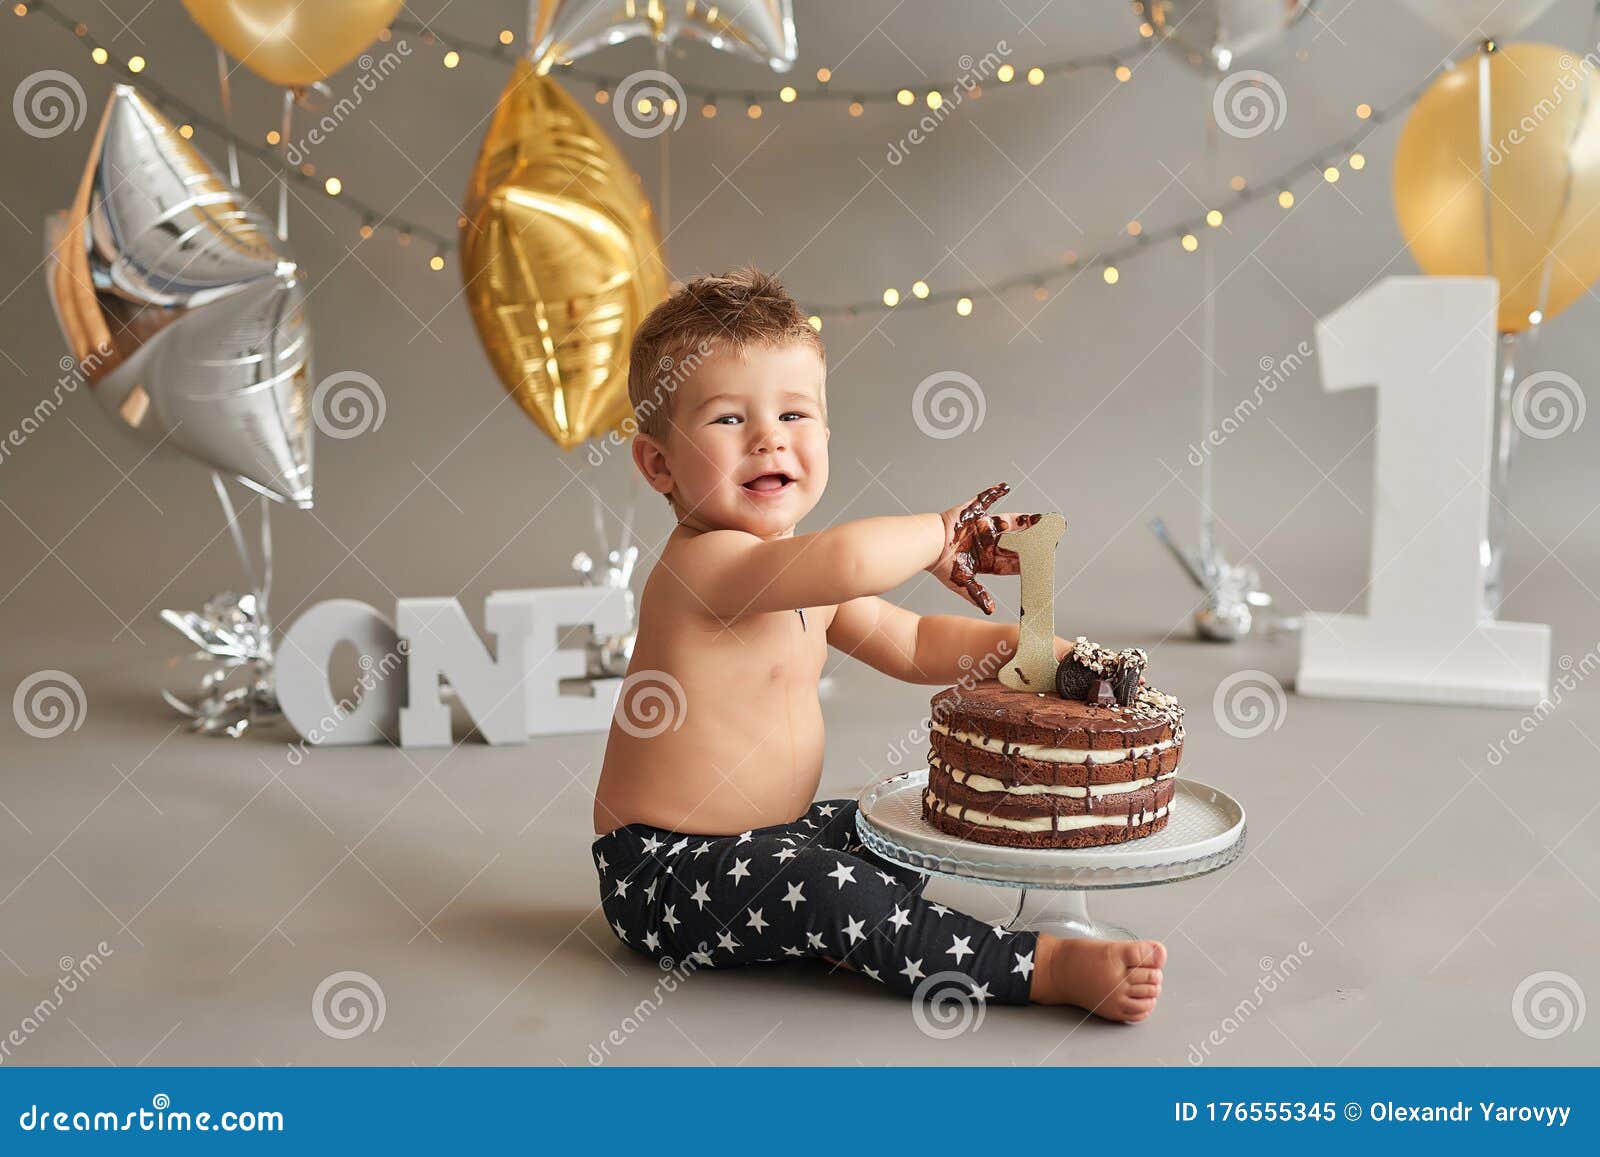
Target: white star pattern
[826,809]
[940,909]
[912,970]
[960,946]
[740,869]
[793,898]
[652,941]
[705,846]
[815,939]
[888,879]
[785,854]
[756,921]
[727,941]
[701,896]
[853,928]
[900,918]
[844,873]
[808,823]
[678,847]
[622,888]
[650,892]
[744,838]
[670,919]
[1001,932]
[652,845]
[602,862]
[1024,964]
[872,972]
[980,991]
[621,935]
[787,951]
[700,957]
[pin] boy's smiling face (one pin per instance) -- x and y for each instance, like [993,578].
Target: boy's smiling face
[747,448]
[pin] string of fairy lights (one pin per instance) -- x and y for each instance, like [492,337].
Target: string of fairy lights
[1327,164]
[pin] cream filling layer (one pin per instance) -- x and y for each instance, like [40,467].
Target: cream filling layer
[1042,823]
[1055,754]
[987,783]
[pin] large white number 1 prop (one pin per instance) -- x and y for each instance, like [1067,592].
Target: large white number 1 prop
[1428,345]
[1034,668]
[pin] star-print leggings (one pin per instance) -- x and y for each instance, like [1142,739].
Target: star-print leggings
[806,888]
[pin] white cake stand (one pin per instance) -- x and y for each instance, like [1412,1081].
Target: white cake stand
[1206,832]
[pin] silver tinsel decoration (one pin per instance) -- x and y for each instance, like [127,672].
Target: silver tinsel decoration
[235,639]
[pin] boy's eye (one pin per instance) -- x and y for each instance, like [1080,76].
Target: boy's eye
[725,419]
[792,414]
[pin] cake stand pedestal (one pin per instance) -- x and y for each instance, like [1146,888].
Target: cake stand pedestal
[1206,832]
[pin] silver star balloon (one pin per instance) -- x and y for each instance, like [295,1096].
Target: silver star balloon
[759,30]
[1213,35]
[185,315]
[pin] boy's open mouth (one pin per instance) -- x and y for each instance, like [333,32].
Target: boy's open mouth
[769,484]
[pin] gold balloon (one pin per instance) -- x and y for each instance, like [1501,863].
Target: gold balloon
[1544,134]
[561,258]
[293,42]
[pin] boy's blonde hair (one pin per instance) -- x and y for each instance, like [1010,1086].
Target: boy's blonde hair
[727,313]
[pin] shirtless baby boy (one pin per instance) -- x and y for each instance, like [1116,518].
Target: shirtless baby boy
[710,845]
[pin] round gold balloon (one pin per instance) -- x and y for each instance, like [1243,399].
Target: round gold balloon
[561,259]
[293,42]
[1544,136]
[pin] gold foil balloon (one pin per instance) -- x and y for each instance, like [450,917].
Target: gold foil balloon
[293,42]
[561,259]
[760,30]
[1543,169]
[182,311]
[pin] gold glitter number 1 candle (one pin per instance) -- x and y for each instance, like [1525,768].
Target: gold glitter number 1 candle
[1034,668]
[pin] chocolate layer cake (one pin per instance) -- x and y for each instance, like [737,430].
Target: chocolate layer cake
[1037,770]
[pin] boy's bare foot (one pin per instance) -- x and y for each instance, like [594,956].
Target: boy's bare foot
[1115,979]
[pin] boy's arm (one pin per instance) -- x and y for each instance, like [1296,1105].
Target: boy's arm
[932,649]
[735,574]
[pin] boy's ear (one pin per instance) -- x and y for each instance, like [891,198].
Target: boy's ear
[651,460]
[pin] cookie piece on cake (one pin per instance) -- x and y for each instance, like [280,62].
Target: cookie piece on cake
[1024,769]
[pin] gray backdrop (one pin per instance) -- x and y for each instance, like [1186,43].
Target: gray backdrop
[1426,882]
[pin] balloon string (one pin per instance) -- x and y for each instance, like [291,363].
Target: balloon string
[665,194]
[243,551]
[283,171]
[1208,378]
[1485,128]
[226,92]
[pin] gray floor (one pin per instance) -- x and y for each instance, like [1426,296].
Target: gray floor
[1397,890]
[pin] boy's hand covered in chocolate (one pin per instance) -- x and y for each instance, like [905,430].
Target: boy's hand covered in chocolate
[972,545]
